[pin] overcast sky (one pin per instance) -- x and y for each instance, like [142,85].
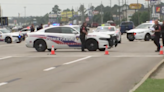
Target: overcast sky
[41,7]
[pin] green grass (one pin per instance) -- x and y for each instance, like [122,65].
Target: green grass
[152,85]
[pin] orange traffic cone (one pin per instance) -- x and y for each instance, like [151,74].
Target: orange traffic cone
[161,51]
[106,50]
[52,51]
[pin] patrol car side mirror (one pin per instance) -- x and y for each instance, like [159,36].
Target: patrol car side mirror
[75,32]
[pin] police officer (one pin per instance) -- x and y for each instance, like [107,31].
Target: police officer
[162,32]
[157,35]
[83,33]
[32,28]
[40,27]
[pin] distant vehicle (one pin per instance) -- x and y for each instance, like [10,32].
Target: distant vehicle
[88,24]
[17,28]
[66,37]
[8,37]
[94,24]
[111,23]
[126,26]
[110,30]
[141,32]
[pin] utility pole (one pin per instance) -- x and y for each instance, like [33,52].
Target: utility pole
[122,8]
[119,11]
[25,14]
[110,3]
[149,10]
[111,8]
[1,14]
[126,11]
[72,14]
[138,13]
[101,14]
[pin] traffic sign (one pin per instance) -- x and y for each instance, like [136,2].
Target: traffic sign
[156,15]
[162,10]
[155,2]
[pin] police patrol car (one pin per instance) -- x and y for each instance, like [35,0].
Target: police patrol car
[141,32]
[8,37]
[110,30]
[66,37]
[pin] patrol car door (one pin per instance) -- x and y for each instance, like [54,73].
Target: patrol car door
[71,37]
[54,37]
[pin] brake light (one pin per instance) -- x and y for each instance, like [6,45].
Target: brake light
[135,33]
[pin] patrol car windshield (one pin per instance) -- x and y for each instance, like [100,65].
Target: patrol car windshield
[77,28]
[104,29]
[144,26]
[4,31]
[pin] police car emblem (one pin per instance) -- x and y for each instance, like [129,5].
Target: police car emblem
[77,37]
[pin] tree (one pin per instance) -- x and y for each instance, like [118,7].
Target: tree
[67,10]
[107,16]
[56,9]
[143,17]
[82,10]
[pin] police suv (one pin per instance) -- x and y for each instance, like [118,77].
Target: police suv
[66,37]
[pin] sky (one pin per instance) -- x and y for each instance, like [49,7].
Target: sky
[11,8]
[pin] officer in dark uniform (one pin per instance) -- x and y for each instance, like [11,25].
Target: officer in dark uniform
[157,35]
[162,32]
[83,33]
[40,27]
[32,29]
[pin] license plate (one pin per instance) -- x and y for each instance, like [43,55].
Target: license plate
[130,36]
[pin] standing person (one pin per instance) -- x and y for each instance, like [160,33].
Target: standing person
[49,24]
[157,35]
[32,28]
[83,33]
[162,32]
[40,27]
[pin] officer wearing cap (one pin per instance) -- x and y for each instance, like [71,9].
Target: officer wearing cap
[83,33]
[157,35]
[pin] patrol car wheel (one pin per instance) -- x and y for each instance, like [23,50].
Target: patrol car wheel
[103,49]
[8,40]
[40,46]
[147,37]
[131,40]
[50,50]
[92,45]
[119,41]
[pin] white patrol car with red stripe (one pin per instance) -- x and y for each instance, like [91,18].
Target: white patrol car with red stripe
[9,37]
[142,32]
[65,37]
[110,30]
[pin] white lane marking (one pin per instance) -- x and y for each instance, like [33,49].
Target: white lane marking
[8,45]
[5,57]
[77,60]
[3,83]
[48,69]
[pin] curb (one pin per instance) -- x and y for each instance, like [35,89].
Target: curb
[147,76]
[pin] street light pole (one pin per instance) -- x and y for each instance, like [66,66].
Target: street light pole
[25,14]
[101,14]
[1,14]
[138,13]
[119,11]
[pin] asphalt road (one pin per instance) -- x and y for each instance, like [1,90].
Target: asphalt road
[25,70]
